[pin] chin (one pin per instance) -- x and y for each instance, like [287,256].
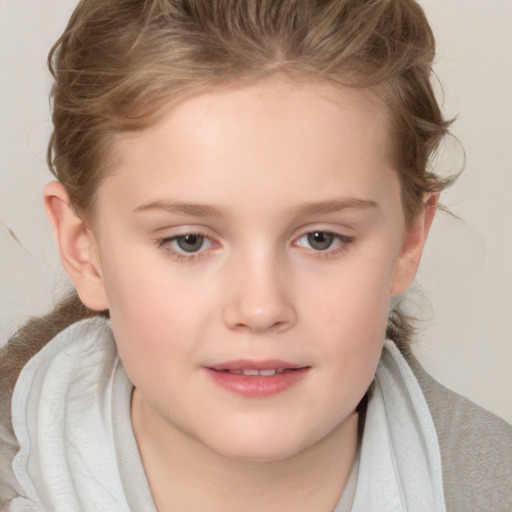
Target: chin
[260,454]
[263,445]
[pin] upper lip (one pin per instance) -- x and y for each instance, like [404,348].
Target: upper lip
[245,364]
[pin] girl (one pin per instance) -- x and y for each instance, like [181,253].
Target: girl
[243,193]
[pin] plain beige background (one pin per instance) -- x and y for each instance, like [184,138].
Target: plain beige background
[464,290]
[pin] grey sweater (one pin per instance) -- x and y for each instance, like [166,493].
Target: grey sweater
[476,449]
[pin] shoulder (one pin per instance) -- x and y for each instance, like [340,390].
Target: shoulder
[476,449]
[67,359]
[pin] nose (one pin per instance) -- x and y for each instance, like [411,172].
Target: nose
[259,299]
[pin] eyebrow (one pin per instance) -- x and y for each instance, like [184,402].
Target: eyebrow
[334,206]
[206,210]
[193,209]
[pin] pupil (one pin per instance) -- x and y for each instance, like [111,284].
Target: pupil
[320,240]
[190,243]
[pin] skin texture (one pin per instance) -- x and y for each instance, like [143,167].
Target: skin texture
[268,163]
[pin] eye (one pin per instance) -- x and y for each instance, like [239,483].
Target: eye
[324,242]
[190,242]
[187,246]
[319,240]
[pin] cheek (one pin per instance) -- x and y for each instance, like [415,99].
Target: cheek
[355,297]
[350,315]
[153,314]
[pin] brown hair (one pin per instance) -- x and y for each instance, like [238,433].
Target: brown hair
[120,62]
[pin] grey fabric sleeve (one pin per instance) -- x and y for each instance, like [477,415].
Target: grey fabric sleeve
[476,449]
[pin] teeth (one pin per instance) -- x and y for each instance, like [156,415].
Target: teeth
[250,372]
[253,373]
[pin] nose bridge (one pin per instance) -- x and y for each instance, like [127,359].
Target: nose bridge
[258,298]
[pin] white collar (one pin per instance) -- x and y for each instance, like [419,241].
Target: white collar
[400,461]
[61,414]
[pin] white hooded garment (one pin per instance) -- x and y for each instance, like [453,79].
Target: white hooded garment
[62,413]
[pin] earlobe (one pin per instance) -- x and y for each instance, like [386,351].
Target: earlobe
[414,241]
[77,247]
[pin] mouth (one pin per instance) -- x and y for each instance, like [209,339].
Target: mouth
[257,379]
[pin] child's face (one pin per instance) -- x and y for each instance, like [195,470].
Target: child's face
[248,229]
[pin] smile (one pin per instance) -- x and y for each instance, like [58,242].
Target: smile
[257,379]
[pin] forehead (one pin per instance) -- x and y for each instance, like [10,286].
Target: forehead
[273,136]
[272,104]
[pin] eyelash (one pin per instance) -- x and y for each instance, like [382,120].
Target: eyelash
[166,244]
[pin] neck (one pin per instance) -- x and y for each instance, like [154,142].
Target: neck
[185,475]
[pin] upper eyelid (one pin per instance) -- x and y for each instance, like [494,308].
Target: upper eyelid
[173,237]
[340,236]
[344,231]
[185,233]
[330,226]
[172,232]
[182,229]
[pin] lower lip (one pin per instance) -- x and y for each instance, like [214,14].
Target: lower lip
[257,386]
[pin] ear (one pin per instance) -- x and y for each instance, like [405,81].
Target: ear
[414,241]
[77,247]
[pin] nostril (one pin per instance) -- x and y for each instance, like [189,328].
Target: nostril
[257,301]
